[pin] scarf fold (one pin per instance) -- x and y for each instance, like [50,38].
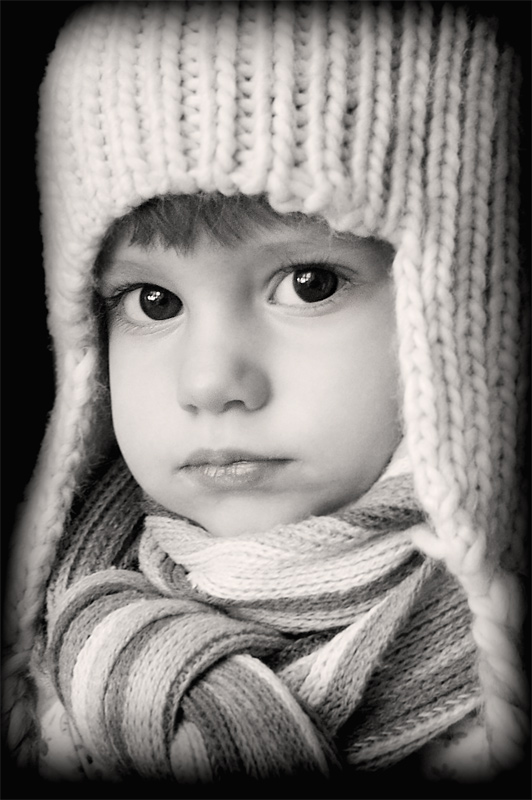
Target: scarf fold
[326,642]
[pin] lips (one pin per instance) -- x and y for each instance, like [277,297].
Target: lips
[221,458]
[226,470]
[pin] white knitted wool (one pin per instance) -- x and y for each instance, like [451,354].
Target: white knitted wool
[388,122]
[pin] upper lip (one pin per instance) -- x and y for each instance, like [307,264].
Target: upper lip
[220,458]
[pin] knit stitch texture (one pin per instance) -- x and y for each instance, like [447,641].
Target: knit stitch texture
[319,643]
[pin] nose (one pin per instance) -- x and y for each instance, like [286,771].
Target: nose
[220,368]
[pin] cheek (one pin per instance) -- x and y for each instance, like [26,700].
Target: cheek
[343,397]
[137,399]
[356,399]
[349,370]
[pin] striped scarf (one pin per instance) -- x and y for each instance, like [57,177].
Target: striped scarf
[316,645]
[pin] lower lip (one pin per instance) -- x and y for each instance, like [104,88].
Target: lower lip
[238,475]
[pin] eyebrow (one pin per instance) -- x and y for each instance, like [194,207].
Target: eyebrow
[122,270]
[132,269]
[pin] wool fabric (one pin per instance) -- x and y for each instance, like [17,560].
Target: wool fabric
[316,644]
[398,121]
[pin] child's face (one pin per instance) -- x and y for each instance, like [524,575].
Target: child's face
[254,384]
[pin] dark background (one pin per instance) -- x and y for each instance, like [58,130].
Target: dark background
[28,32]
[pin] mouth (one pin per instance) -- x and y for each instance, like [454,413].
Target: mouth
[230,470]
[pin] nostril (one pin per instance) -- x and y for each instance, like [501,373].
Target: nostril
[191,409]
[234,404]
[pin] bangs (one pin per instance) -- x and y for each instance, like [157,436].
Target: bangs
[177,221]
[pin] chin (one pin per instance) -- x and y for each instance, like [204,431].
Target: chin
[248,524]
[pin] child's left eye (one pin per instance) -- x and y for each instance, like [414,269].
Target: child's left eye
[306,285]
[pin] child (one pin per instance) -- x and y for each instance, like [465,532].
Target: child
[275,527]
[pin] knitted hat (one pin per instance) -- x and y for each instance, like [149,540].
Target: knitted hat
[386,121]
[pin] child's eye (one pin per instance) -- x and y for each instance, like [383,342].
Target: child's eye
[152,302]
[306,285]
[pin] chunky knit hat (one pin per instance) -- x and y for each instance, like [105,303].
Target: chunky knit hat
[387,121]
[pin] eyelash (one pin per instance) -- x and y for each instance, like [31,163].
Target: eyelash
[346,277]
[111,302]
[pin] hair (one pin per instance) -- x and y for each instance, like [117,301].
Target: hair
[178,221]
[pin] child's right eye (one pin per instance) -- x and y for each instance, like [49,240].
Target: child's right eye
[144,301]
[159,303]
